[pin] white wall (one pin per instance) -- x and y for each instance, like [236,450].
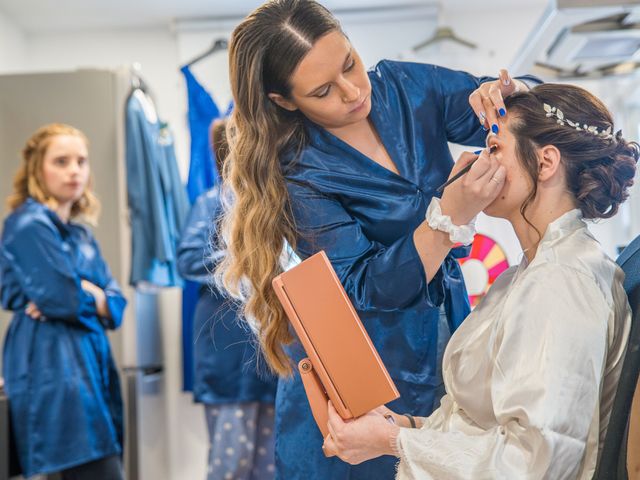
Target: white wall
[371,38]
[153,49]
[12,45]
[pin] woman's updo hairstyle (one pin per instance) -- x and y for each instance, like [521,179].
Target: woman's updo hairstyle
[600,165]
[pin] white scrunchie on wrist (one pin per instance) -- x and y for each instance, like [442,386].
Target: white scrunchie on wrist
[457,233]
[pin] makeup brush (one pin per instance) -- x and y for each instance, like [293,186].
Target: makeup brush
[462,172]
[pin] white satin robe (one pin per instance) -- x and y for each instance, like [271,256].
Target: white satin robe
[532,372]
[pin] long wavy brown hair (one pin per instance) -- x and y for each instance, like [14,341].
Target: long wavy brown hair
[264,51]
[28,181]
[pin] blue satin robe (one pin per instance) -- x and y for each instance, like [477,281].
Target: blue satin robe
[224,354]
[62,383]
[158,201]
[629,260]
[364,217]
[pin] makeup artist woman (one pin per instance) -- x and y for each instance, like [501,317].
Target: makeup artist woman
[330,156]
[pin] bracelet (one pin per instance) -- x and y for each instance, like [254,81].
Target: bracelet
[412,421]
[457,233]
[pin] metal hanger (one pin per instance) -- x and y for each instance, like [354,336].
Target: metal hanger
[141,89]
[441,34]
[137,82]
[216,46]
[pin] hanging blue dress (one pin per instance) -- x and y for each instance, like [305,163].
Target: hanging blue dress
[202,112]
[158,203]
[226,366]
[62,383]
[364,216]
[202,176]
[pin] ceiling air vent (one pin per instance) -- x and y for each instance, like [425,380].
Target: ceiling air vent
[583,38]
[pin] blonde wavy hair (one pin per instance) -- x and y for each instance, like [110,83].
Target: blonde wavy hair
[28,181]
[265,50]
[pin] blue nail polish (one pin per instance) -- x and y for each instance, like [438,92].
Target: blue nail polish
[477,152]
[502,112]
[485,128]
[494,128]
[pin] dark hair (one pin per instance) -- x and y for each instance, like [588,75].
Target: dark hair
[219,144]
[599,170]
[264,51]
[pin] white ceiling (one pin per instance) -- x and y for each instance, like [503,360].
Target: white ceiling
[41,16]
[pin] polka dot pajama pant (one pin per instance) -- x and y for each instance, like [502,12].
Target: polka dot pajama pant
[241,441]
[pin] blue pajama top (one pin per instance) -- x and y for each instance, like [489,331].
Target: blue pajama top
[225,360]
[364,217]
[62,383]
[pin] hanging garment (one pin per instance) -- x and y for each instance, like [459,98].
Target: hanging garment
[62,383]
[202,176]
[158,202]
[364,217]
[532,373]
[202,112]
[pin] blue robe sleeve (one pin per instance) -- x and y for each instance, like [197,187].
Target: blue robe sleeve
[10,292]
[116,302]
[451,89]
[46,274]
[375,276]
[196,254]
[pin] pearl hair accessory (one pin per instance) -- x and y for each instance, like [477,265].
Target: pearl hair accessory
[561,120]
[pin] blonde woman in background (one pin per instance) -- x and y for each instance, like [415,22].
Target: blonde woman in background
[60,378]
